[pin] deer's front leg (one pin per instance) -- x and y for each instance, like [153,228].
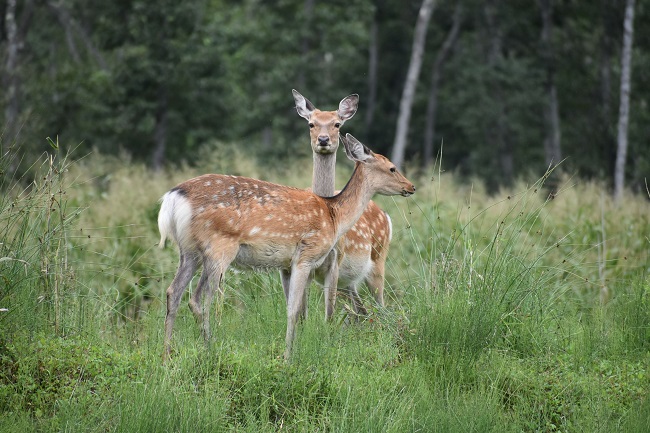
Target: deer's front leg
[295,299]
[285,276]
[330,280]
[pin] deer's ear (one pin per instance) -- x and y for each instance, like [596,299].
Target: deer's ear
[348,107]
[303,106]
[355,150]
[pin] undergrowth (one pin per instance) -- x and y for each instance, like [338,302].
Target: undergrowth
[506,312]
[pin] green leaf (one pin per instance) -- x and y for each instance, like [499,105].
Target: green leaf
[55,145]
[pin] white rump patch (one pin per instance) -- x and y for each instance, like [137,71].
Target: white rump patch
[174,219]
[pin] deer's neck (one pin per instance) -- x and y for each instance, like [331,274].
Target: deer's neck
[350,203]
[322,182]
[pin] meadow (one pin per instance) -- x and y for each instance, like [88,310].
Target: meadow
[507,311]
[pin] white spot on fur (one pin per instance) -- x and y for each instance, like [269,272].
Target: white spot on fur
[390,227]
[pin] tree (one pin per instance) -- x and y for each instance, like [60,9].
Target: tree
[624,110]
[552,149]
[499,139]
[436,75]
[373,61]
[16,29]
[406,102]
[159,80]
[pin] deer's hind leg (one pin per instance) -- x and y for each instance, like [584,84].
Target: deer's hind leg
[375,282]
[357,303]
[187,266]
[215,264]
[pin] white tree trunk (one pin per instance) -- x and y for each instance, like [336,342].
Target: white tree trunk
[11,77]
[406,103]
[552,147]
[624,110]
[70,25]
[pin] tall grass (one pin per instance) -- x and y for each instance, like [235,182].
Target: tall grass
[506,312]
[37,276]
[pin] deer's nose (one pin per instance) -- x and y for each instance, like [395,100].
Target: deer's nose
[323,140]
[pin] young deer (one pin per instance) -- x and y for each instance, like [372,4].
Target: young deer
[220,220]
[364,249]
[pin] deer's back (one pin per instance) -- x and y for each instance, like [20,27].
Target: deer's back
[268,222]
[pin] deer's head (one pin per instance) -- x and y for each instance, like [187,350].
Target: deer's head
[379,170]
[324,126]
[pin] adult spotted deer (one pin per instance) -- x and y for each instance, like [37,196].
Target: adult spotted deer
[219,221]
[364,249]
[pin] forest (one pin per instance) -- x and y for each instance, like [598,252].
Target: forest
[515,294]
[498,90]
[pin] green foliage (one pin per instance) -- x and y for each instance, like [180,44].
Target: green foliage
[560,394]
[39,371]
[137,76]
[493,322]
[631,312]
[34,250]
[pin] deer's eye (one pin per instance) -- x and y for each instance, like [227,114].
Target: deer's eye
[337,125]
[393,169]
[311,125]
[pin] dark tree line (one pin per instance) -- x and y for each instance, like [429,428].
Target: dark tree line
[505,88]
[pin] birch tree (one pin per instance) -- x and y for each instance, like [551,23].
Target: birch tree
[552,149]
[436,75]
[624,110]
[406,103]
[15,28]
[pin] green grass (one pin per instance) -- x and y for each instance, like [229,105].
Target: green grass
[506,313]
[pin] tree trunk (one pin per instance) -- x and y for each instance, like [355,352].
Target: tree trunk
[11,77]
[373,62]
[606,50]
[160,130]
[308,11]
[552,149]
[498,138]
[70,25]
[16,32]
[406,103]
[624,110]
[606,130]
[436,75]
[267,137]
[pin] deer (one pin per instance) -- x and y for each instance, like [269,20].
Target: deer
[218,221]
[363,250]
